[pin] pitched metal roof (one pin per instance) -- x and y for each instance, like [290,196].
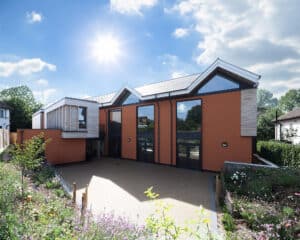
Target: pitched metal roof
[167,86]
[179,86]
[290,115]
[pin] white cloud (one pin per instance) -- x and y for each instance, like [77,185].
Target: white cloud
[131,7]
[263,37]
[44,96]
[175,67]
[177,74]
[24,67]
[34,17]
[181,32]
[181,108]
[42,82]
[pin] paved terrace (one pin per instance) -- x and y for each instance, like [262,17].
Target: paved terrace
[118,185]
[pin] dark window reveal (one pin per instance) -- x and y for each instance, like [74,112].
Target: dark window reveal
[218,83]
[82,117]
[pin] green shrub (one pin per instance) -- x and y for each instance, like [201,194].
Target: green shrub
[280,153]
[228,222]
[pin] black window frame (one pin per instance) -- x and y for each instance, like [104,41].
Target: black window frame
[200,167]
[80,125]
[137,133]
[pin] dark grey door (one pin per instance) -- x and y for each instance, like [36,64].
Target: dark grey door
[114,133]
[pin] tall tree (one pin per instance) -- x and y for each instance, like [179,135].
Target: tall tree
[23,105]
[265,100]
[266,124]
[290,100]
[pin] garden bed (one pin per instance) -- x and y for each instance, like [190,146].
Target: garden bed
[263,203]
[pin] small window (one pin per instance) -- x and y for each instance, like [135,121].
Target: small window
[130,99]
[82,117]
[218,83]
[2,113]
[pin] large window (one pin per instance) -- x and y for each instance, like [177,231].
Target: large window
[218,83]
[188,134]
[145,133]
[82,117]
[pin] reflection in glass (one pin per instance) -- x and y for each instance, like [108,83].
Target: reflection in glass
[218,83]
[130,99]
[145,132]
[188,133]
[82,117]
[115,128]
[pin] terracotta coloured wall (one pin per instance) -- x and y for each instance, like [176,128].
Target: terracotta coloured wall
[165,132]
[129,132]
[58,150]
[221,121]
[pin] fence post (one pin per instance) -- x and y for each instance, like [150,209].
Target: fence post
[86,195]
[74,192]
[83,207]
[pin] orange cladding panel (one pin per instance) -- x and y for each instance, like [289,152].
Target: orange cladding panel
[165,132]
[129,132]
[58,150]
[221,122]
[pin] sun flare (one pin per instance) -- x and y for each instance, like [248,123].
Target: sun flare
[106,49]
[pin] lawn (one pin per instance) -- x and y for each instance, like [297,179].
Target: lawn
[265,204]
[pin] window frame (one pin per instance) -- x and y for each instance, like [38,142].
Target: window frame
[201,132]
[86,113]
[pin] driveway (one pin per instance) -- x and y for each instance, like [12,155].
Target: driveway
[118,185]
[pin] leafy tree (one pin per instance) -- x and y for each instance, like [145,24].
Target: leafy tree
[265,124]
[265,100]
[290,100]
[29,156]
[23,105]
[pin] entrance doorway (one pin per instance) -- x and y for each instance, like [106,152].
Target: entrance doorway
[115,133]
[145,133]
[188,134]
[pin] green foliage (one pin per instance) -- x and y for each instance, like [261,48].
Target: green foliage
[262,183]
[23,105]
[162,226]
[280,153]
[43,174]
[265,100]
[228,222]
[290,100]
[265,124]
[30,155]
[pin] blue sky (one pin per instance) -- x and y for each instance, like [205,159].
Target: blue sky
[49,45]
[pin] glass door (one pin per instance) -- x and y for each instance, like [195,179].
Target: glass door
[145,133]
[188,134]
[114,133]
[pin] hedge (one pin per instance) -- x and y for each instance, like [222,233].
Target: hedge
[282,154]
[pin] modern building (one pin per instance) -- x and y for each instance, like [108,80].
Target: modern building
[287,127]
[196,121]
[4,125]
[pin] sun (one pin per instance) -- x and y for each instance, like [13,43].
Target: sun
[106,49]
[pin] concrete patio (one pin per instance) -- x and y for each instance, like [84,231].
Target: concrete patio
[118,185]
